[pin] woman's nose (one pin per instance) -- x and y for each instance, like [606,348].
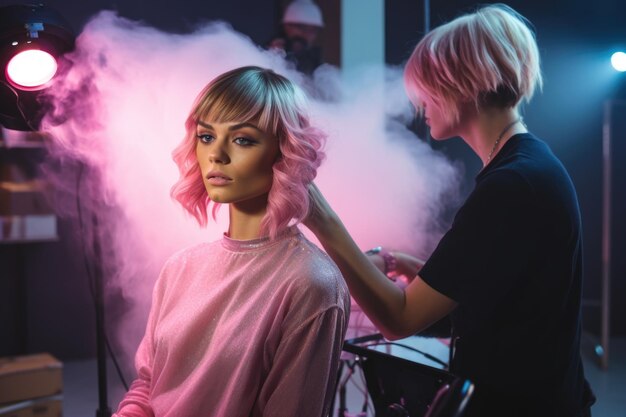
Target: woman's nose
[218,153]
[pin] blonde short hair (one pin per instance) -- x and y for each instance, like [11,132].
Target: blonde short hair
[489,58]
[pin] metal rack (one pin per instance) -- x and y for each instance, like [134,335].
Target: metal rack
[25,216]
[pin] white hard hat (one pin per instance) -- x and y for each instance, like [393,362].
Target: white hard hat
[304,12]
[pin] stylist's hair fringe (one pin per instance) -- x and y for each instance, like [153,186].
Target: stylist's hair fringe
[488,58]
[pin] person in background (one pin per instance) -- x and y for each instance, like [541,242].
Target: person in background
[301,25]
[252,324]
[509,270]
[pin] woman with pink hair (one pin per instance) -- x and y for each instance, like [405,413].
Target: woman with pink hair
[252,324]
[508,272]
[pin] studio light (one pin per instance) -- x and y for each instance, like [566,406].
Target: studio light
[31,69]
[618,60]
[32,38]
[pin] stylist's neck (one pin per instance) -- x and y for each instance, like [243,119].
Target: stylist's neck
[483,129]
[246,217]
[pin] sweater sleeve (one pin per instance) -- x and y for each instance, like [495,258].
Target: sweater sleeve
[302,378]
[136,402]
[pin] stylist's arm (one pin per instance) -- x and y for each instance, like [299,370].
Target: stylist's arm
[396,312]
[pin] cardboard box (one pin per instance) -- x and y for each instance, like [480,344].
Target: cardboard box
[41,407]
[28,377]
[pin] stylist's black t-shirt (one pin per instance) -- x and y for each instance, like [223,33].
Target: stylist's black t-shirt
[512,262]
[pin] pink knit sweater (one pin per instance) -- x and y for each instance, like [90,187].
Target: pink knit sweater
[242,328]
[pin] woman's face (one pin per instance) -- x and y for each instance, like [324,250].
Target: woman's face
[236,160]
[440,127]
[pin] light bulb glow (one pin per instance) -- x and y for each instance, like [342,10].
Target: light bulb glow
[31,69]
[618,60]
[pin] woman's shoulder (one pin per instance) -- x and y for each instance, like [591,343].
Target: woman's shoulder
[527,154]
[308,258]
[529,164]
[189,254]
[312,273]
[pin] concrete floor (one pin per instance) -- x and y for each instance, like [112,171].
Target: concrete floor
[81,391]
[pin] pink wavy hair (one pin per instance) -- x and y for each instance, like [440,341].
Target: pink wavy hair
[276,106]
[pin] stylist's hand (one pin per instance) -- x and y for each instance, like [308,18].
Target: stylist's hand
[407,265]
[322,218]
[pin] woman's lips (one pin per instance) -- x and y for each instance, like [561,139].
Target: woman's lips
[217,178]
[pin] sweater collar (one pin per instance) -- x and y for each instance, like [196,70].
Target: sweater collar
[235,245]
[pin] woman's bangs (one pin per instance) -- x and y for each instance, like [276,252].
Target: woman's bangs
[244,108]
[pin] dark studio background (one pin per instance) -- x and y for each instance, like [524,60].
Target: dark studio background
[45,303]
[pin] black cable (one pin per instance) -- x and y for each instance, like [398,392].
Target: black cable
[366,397]
[426,355]
[366,338]
[18,106]
[88,268]
[117,366]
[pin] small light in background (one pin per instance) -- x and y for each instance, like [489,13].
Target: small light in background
[618,60]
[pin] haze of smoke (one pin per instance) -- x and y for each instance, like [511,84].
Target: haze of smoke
[119,109]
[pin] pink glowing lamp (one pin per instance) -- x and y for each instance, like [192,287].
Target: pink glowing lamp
[32,38]
[31,69]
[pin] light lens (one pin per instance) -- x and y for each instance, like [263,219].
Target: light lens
[31,69]
[618,60]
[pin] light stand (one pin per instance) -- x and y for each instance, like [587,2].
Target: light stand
[32,37]
[103,402]
[94,270]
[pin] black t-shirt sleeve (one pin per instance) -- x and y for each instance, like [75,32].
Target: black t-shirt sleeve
[488,248]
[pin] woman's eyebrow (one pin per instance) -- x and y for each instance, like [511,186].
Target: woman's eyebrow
[233,127]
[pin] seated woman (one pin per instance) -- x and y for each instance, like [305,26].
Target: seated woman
[252,324]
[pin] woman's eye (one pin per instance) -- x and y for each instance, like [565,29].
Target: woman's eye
[243,141]
[205,138]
